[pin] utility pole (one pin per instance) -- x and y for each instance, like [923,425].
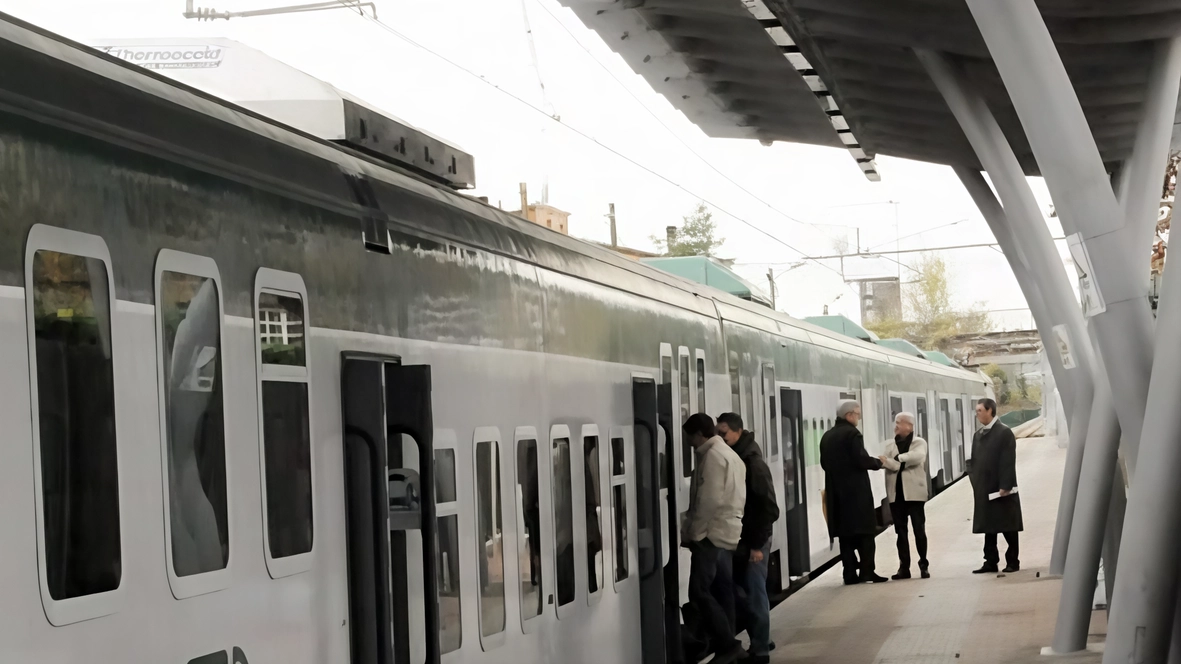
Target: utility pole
[524,202]
[771,278]
[611,217]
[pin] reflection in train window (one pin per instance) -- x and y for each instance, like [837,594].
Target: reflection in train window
[76,424]
[686,448]
[288,467]
[618,465]
[594,516]
[769,403]
[190,314]
[563,521]
[701,385]
[619,509]
[490,542]
[444,476]
[447,562]
[665,411]
[529,529]
[281,329]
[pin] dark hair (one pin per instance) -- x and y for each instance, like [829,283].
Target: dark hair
[700,423]
[989,405]
[731,420]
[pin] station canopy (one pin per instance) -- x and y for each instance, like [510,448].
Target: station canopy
[843,73]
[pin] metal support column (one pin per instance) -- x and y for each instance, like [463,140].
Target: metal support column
[1026,234]
[1048,107]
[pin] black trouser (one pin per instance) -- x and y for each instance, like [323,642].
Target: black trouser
[711,590]
[853,546]
[916,512]
[1012,554]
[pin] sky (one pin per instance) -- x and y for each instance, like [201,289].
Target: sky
[463,70]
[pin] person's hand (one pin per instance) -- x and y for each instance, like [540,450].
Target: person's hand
[882,458]
[1005,492]
[756,556]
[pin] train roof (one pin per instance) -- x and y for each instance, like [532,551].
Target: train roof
[60,82]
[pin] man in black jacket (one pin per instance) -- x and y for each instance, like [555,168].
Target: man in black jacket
[849,495]
[993,472]
[758,521]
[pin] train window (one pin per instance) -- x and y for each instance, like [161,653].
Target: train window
[594,515]
[686,448]
[619,509]
[189,309]
[447,562]
[284,391]
[748,414]
[701,385]
[563,521]
[529,529]
[75,424]
[895,408]
[735,384]
[490,541]
[769,403]
[444,476]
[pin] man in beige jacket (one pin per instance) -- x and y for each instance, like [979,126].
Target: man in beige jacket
[712,529]
[905,462]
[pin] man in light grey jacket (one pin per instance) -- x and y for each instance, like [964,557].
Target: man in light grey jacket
[905,462]
[712,529]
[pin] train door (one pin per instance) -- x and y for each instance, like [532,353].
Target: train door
[649,537]
[390,511]
[924,432]
[948,441]
[960,440]
[670,435]
[795,507]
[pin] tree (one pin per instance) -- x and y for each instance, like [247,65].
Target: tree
[1000,382]
[695,237]
[931,321]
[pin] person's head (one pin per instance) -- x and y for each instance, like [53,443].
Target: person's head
[730,427]
[985,410]
[903,424]
[698,429]
[849,411]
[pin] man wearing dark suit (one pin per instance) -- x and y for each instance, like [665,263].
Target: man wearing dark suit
[993,470]
[849,495]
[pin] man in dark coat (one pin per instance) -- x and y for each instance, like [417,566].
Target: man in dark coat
[848,494]
[993,472]
[754,549]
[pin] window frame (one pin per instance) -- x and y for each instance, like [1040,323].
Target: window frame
[592,431]
[85,607]
[556,433]
[445,439]
[490,435]
[545,534]
[185,587]
[629,498]
[286,284]
[699,385]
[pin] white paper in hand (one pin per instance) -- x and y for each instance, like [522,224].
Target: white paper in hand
[994,496]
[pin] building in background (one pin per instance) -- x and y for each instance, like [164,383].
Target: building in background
[634,254]
[544,214]
[881,299]
[1013,360]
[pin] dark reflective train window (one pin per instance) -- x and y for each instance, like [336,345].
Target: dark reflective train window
[769,404]
[563,521]
[281,329]
[594,514]
[735,385]
[619,512]
[190,314]
[529,529]
[447,562]
[618,462]
[76,424]
[686,448]
[287,454]
[444,476]
[490,542]
[701,385]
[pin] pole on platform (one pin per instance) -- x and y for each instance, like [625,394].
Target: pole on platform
[1026,234]
[611,217]
[1116,292]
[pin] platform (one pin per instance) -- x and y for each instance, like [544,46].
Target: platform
[954,616]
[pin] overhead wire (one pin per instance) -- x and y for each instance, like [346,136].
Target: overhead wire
[353,4]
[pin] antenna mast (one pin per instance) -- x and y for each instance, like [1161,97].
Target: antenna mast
[206,14]
[545,103]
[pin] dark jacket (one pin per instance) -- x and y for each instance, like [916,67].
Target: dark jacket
[848,493]
[761,511]
[994,467]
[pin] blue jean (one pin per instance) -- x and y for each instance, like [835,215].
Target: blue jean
[758,606]
[711,590]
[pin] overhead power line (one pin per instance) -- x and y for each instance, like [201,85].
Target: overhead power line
[352,4]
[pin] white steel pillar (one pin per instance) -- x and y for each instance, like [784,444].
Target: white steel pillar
[1027,234]
[1048,107]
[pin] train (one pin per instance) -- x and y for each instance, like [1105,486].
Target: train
[270,398]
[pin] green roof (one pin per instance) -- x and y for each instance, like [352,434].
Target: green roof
[902,346]
[707,271]
[936,356]
[842,325]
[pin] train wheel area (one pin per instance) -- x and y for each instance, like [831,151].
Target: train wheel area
[955,616]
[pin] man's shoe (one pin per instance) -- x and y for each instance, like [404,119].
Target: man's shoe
[755,659]
[924,573]
[1011,568]
[875,579]
[902,574]
[852,582]
[730,654]
[987,569]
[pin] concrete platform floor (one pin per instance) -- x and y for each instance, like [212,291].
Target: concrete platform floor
[955,616]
